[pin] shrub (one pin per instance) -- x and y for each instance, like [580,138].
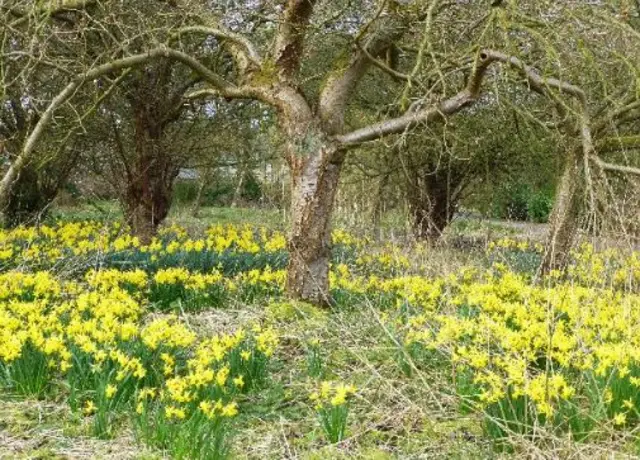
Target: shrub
[522,202]
[539,206]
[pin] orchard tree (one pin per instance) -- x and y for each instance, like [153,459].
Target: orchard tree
[40,46]
[443,167]
[152,130]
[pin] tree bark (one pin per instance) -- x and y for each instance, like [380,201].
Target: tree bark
[197,204]
[564,217]
[149,190]
[238,190]
[431,206]
[315,182]
[26,203]
[148,198]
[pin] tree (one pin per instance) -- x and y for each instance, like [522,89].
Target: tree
[316,136]
[476,152]
[35,67]
[148,145]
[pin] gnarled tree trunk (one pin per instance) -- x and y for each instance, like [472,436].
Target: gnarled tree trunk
[152,167]
[315,182]
[148,194]
[431,207]
[26,203]
[431,212]
[432,195]
[34,189]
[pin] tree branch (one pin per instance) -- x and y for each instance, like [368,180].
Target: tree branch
[615,167]
[62,7]
[243,45]
[416,117]
[51,10]
[342,82]
[543,85]
[385,68]
[617,114]
[537,82]
[616,143]
[290,39]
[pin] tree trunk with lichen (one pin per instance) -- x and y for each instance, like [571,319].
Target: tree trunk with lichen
[564,217]
[315,182]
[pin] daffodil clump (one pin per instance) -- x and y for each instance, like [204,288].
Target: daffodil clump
[348,287]
[77,244]
[331,402]
[93,339]
[564,352]
[389,260]
[521,255]
[314,358]
[181,289]
[189,415]
[610,268]
[175,271]
[180,273]
[231,249]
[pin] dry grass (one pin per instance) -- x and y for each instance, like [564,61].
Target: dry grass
[39,430]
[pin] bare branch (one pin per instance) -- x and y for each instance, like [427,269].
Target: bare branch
[202,94]
[617,115]
[615,143]
[385,68]
[538,83]
[52,9]
[400,124]
[615,167]
[416,117]
[243,45]
[290,39]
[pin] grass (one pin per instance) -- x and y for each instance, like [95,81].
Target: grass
[271,218]
[110,210]
[392,415]
[38,430]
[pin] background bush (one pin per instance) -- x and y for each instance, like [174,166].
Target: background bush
[522,202]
